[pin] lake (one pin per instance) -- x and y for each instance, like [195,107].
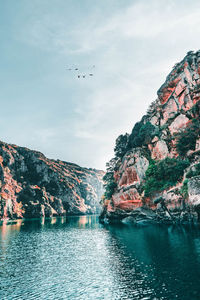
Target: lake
[78,258]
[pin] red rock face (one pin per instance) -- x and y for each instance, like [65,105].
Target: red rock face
[166,92]
[127,200]
[172,113]
[129,176]
[33,186]
[159,151]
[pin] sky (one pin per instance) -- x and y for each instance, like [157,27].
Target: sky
[133,44]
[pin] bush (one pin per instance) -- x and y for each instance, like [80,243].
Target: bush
[186,140]
[184,189]
[158,200]
[141,134]
[164,174]
[110,185]
[195,172]
[121,145]
[153,107]
[190,61]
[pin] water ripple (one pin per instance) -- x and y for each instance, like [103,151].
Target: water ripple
[78,258]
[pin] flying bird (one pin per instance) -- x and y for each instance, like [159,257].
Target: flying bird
[82,75]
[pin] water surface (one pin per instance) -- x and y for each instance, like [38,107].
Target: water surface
[78,258]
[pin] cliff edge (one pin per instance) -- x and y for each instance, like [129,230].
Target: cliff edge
[155,174]
[32,185]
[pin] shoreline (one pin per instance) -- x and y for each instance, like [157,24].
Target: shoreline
[14,221]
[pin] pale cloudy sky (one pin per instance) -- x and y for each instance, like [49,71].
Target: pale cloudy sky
[133,44]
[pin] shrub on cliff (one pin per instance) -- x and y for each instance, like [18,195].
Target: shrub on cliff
[110,184]
[186,139]
[195,171]
[121,145]
[184,189]
[141,134]
[163,174]
[153,107]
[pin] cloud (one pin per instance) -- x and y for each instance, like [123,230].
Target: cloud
[114,108]
[134,46]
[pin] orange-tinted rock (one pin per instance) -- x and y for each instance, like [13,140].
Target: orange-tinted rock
[129,204]
[169,110]
[175,108]
[32,185]
[130,194]
[179,123]
[128,177]
[160,150]
[167,90]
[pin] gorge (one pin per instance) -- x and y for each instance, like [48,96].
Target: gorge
[153,178]
[99,150]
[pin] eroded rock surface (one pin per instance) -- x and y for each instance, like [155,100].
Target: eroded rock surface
[32,185]
[174,114]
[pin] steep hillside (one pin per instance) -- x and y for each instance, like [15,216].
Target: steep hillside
[32,185]
[155,174]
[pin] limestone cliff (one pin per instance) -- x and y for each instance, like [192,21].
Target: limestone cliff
[32,185]
[155,174]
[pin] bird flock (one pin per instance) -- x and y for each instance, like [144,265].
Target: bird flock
[80,74]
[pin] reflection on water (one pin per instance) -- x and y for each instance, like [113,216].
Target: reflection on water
[77,258]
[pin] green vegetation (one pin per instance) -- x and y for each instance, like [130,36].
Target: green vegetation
[158,200]
[178,67]
[189,58]
[186,140]
[184,189]
[153,107]
[121,145]
[31,175]
[190,61]
[163,174]
[141,134]
[110,185]
[195,171]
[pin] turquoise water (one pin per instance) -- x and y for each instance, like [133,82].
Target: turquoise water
[78,258]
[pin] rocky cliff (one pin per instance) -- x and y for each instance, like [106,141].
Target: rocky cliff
[155,174]
[32,185]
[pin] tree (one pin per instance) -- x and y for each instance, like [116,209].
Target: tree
[110,183]
[163,174]
[186,139]
[141,134]
[121,145]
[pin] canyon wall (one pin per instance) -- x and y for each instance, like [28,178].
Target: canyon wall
[155,174]
[32,185]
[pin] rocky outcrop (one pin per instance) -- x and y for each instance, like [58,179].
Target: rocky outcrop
[32,185]
[157,177]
